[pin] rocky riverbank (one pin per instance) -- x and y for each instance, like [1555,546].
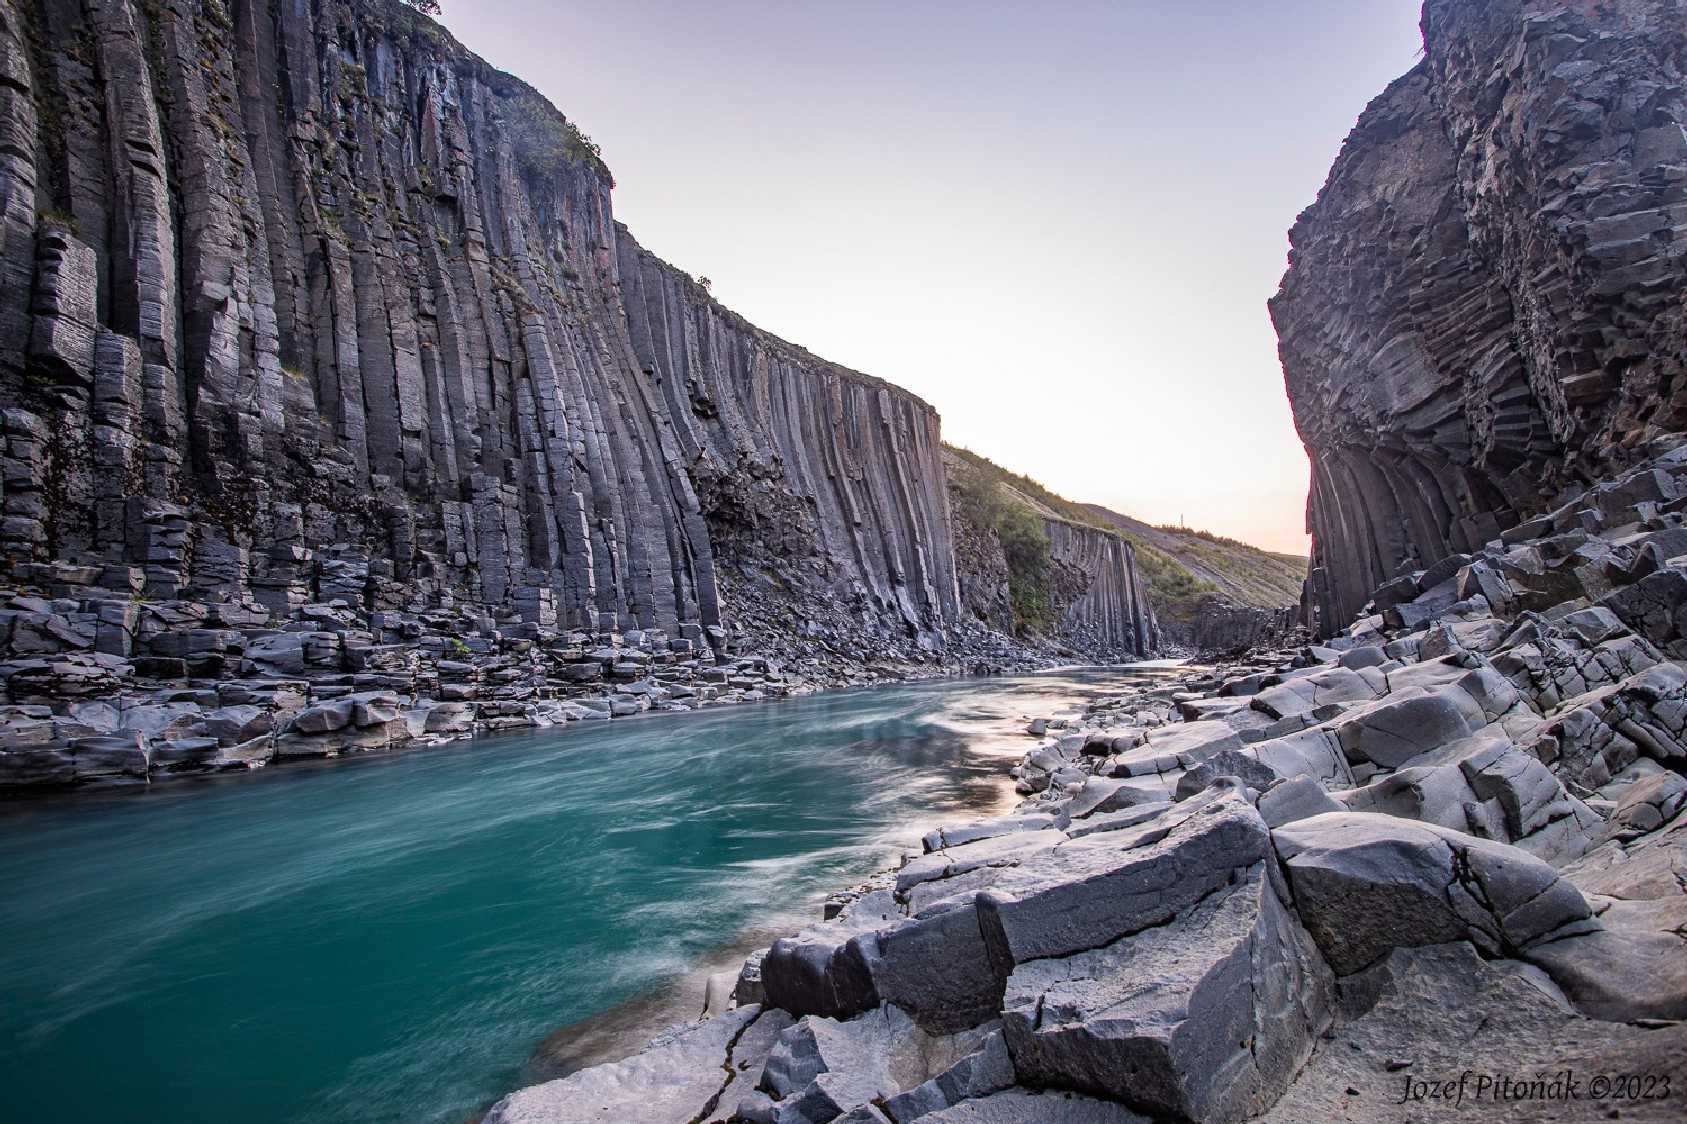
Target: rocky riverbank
[105,687]
[1293,887]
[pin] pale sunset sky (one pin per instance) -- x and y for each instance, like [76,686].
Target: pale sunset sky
[1056,221]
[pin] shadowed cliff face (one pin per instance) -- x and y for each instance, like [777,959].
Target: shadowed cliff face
[1485,304]
[299,299]
[1107,606]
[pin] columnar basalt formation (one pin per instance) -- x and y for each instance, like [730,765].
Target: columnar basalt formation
[338,414]
[303,300]
[1485,305]
[1078,580]
[1106,608]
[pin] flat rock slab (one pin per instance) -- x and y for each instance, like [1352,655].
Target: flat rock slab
[1091,891]
[1441,1011]
[998,850]
[676,1079]
[956,834]
[1018,1106]
[1620,975]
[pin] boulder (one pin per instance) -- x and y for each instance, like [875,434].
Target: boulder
[1297,799]
[325,718]
[1091,891]
[934,966]
[1404,725]
[1206,1017]
[1365,884]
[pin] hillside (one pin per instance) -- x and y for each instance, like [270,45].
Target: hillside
[1178,567]
[1262,578]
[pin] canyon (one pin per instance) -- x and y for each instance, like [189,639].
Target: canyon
[341,416]
[1447,838]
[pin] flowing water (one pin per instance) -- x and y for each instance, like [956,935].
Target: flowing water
[400,938]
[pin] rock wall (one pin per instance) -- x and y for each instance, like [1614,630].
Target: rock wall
[1484,307]
[1076,584]
[301,300]
[1225,627]
[1102,603]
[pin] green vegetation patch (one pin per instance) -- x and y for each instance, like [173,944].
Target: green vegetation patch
[1173,590]
[984,503]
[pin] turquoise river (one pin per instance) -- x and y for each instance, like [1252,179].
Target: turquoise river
[405,938]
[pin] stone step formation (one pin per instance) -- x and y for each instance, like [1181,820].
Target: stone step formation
[326,373]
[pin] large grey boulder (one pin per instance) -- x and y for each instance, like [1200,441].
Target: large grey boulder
[1365,884]
[1091,891]
[934,966]
[1206,1017]
[1310,753]
[1297,799]
[1405,724]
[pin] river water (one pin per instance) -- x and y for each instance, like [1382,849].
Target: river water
[400,938]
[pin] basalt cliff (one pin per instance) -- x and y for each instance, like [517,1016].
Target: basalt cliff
[330,380]
[1487,304]
[305,288]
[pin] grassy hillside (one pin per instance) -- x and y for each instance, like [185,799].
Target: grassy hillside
[1177,565]
[1246,573]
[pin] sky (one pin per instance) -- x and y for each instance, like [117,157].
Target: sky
[1058,221]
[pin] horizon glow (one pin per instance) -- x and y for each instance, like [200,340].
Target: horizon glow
[1057,223]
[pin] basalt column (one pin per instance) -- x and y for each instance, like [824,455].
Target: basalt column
[303,300]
